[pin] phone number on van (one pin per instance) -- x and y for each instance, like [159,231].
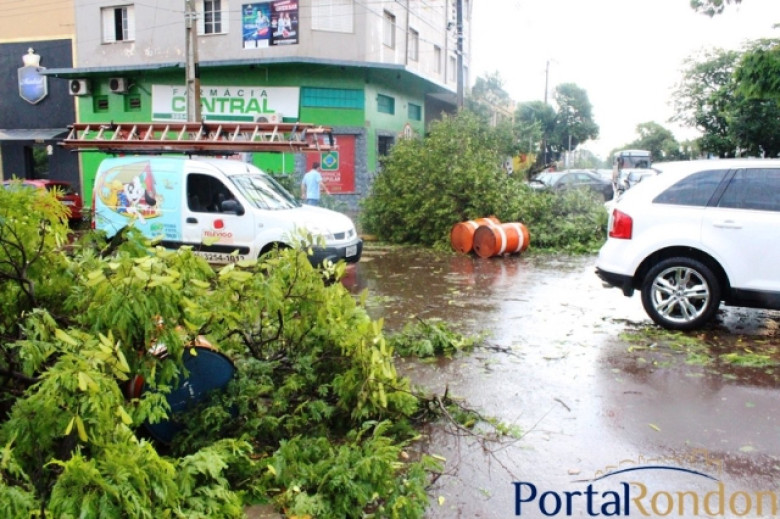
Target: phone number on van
[217,257]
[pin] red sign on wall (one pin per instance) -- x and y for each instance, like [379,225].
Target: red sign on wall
[337,167]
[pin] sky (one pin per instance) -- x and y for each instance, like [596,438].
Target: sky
[627,55]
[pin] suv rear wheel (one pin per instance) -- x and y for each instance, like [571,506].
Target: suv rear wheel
[680,293]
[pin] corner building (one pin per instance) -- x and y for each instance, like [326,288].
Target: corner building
[374,71]
[35,35]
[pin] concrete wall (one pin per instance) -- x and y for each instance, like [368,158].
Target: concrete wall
[160,37]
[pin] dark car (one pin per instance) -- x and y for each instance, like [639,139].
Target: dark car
[573,179]
[67,194]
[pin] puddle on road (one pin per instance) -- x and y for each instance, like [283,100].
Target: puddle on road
[563,367]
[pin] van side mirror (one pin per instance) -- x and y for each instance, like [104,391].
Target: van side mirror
[231,206]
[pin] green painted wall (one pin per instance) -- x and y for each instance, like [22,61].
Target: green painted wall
[371,81]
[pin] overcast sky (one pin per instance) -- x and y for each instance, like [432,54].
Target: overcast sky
[626,54]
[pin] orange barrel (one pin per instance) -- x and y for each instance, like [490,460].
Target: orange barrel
[462,234]
[506,238]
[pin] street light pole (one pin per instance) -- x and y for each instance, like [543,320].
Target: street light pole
[192,69]
[459,50]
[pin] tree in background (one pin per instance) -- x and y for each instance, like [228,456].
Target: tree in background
[712,7]
[758,72]
[493,106]
[534,123]
[659,141]
[574,121]
[702,99]
[711,99]
[487,95]
[559,130]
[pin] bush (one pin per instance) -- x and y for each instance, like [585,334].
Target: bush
[452,175]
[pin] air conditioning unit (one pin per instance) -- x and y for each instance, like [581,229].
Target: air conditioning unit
[79,87]
[118,85]
[274,118]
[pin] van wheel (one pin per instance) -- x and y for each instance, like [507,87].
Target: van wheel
[681,293]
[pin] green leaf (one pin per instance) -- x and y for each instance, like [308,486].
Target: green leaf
[81,430]
[69,428]
[64,337]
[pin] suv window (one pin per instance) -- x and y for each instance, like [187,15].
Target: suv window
[695,190]
[753,189]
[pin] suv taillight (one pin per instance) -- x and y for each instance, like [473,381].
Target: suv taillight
[622,225]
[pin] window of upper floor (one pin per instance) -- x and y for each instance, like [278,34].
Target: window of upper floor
[414,45]
[332,15]
[437,59]
[212,16]
[385,104]
[414,112]
[388,30]
[452,69]
[118,23]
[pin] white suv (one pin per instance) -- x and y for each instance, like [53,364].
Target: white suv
[698,233]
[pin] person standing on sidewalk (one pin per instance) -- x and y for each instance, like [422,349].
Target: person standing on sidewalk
[311,185]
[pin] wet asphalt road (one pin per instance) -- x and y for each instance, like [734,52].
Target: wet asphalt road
[572,365]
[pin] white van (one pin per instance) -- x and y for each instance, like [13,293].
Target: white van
[226,210]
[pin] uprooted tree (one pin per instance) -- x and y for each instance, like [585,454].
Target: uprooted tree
[315,420]
[453,174]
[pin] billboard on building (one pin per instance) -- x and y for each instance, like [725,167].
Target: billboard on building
[271,23]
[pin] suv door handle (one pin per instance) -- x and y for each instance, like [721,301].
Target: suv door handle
[727,224]
[191,220]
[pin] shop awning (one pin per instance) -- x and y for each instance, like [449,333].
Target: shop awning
[31,134]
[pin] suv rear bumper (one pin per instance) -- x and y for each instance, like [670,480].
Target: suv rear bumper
[625,283]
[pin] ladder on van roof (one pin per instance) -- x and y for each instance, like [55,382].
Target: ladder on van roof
[198,137]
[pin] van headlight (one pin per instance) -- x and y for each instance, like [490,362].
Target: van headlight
[316,231]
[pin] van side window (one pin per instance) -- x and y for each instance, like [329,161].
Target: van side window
[205,194]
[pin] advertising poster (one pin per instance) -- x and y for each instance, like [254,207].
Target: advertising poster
[284,22]
[256,20]
[270,23]
[338,166]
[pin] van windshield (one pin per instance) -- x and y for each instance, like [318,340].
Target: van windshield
[264,192]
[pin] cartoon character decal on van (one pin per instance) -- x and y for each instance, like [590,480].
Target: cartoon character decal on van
[129,190]
[141,192]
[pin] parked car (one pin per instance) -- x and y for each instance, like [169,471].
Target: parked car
[67,194]
[697,234]
[628,178]
[573,179]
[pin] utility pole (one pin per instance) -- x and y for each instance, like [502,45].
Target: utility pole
[459,50]
[192,68]
[546,80]
[544,135]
